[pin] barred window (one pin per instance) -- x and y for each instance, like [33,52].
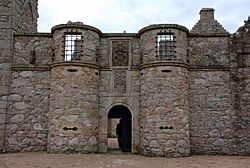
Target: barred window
[73,46]
[165,45]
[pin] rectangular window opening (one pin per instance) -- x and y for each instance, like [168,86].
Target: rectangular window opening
[72,47]
[165,46]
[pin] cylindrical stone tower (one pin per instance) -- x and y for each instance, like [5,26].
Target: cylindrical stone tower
[73,119]
[164,124]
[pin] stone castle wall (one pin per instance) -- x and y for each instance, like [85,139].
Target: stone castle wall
[11,22]
[240,49]
[119,83]
[211,111]
[197,102]
[73,117]
[34,49]
[164,124]
[28,101]
[27,114]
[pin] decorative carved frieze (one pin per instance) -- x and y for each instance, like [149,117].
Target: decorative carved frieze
[120,53]
[120,81]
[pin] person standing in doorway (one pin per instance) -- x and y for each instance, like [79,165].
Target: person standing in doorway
[119,133]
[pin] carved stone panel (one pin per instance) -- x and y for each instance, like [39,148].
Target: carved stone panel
[120,81]
[120,53]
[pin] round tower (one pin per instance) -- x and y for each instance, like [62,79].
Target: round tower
[73,119]
[163,120]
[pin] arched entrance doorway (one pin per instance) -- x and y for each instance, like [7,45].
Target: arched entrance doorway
[121,112]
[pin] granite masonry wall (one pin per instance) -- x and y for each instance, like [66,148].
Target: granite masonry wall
[164,126]
[73,122]
[11,22]
[219,114]
[197,101]
[240,51]
[164,123]
[119,83]
[211,111]
[27,114]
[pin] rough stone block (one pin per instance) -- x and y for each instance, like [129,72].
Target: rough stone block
[2,105]
[2,118]
[102,147]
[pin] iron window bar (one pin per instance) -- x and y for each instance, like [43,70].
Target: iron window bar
[165,45]
[73,43]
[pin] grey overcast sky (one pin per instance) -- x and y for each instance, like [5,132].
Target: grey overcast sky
[132,15]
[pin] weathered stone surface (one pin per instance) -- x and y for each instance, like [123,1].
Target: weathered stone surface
[75,113]
[218,143]
[164,111]
[17,118]
[207,24]
[196,100]
[38,126]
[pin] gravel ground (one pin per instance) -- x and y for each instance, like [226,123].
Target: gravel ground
[44,160]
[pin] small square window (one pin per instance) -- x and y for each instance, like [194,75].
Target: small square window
[72,47]
[165,46]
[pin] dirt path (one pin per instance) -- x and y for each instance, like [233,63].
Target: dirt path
[44,160]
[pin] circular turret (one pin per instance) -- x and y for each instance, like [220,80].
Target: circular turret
[163,120]
[74,89]
[75,42]
[164,42]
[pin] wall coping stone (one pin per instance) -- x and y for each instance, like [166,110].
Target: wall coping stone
[77,26]
[162,26]
[120,35]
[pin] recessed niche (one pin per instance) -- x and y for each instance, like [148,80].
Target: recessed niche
[166,70]
[96,73]
[72,70]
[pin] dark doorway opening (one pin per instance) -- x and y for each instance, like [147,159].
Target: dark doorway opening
[120,112]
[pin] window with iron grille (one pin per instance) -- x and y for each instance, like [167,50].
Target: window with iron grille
[73,46]
[165,45]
